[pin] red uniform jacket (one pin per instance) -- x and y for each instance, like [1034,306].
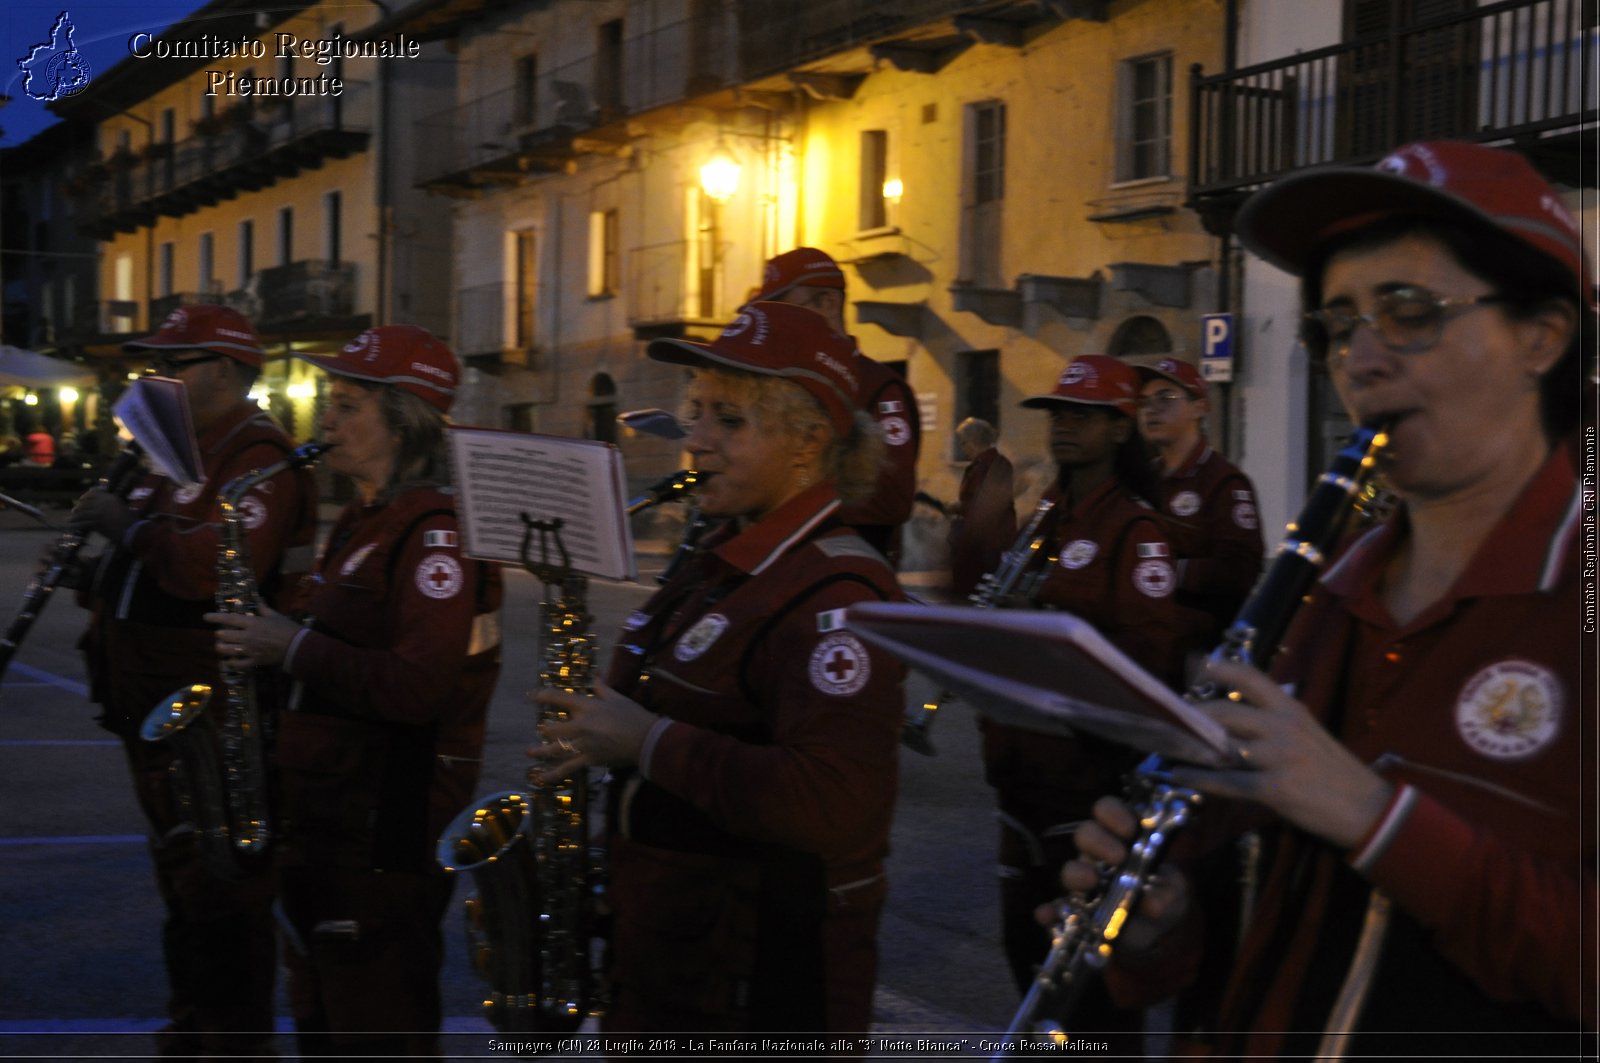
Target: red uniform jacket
[394,673]
[1483,711]
[1216,532]
[1113,567]
[149,592]
[887,397]
[747,853]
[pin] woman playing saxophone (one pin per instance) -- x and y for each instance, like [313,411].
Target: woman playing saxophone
[391,675]
[752,743]
[1428,885]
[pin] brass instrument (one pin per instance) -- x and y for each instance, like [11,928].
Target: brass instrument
[1085,939]
[1015,582]
[119,480]
[221,778]
[530,926]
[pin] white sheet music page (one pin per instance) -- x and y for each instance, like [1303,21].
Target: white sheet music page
[500,476]
[155,411]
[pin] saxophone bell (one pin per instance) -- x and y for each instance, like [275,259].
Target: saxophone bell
[219,773]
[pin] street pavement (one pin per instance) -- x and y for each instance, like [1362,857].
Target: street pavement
[80,968]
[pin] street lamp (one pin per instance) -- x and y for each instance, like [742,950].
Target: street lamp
[719,176]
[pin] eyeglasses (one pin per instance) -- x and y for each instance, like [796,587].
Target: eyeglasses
[1407,320]
[1161,400]
[171,366]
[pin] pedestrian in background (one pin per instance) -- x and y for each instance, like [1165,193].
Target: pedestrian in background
[984,516]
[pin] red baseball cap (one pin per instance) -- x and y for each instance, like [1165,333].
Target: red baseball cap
[802,267]
[407,356]
[205,327]
[1183,374]
[1454,180]
[1093,380]
[777,339]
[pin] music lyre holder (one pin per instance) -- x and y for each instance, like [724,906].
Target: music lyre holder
[549,534]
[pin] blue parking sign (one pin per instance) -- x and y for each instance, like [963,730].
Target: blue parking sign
[1216,347]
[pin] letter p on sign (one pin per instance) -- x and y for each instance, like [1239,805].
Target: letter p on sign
[1216,347]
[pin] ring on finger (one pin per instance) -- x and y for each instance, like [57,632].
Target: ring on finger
[566,746]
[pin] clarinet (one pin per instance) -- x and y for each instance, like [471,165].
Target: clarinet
[1085,939]
[119,480]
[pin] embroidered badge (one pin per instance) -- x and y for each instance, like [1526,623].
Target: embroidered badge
[636,620]
[1510,710]
[139,494]
[439,537]
[353,562]
[184,495]
[699,638]
[253,512]
[830,620]
[840,665]
[1185,504]
[1244,515]
[1154,579]
[1078,553]
[891,406]
[1152,549]
[895,431]
[439,576]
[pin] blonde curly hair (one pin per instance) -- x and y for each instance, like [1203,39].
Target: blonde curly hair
[775,404]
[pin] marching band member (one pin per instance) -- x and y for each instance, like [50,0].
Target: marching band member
[1215,526]
[147,637]
[753,742]
[383,734]
[812,279]
[1421,748]
[1114,569]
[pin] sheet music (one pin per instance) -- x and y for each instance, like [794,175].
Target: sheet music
[1050,672]
[155,411]
[501,475]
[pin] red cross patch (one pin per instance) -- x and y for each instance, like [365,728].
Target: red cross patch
[840,665]
[439,576]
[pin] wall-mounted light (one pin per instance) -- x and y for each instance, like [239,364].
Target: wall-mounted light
[301,389]
[68,395]
[893,189]
[30,399]
[719,176]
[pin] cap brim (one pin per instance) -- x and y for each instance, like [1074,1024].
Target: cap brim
[1284,222]
[1040,402]
[149,343]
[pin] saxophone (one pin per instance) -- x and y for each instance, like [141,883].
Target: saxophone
[531,923]
[221,777]
[1014,582]
[1085,939]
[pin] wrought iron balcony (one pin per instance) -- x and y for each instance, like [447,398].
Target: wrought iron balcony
[1511,71]
[239,150]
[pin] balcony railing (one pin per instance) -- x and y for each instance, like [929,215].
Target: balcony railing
[778,34]
[1512,70]
[305,291]
[234,152]
[541,126]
